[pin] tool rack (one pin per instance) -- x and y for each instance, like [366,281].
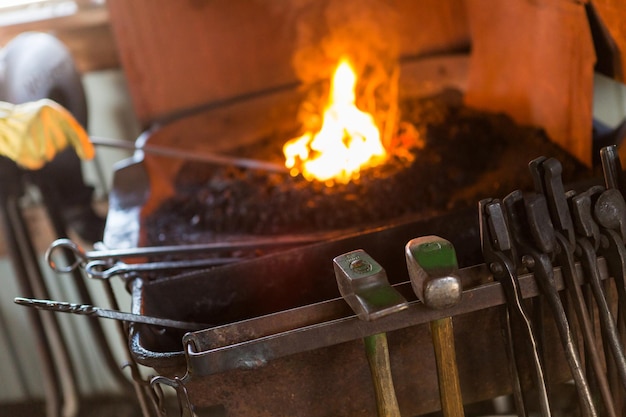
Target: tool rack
[310,356]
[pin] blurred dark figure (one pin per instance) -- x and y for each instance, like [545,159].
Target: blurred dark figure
[34,66]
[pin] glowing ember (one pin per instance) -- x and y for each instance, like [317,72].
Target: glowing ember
[347,142]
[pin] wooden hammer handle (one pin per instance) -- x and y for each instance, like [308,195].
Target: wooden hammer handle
[377,352]
[445,356]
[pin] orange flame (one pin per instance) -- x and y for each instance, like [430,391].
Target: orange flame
[347,142]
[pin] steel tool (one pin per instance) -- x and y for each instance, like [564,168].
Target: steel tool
[89,310]
[195,155]
[533,234]
[106,270]
[363,284]
[432,266]
[612,168]
[609,210]
[500,255]
[83,257]
[548,181]
[614,252]
[330,322]
[610,213]
[588,244]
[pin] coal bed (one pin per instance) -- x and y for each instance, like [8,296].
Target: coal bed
[464,155]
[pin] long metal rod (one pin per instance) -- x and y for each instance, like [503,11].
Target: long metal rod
[52,205]
[59,348]
[516,385]
[607,322]
[520,319]
[139,385]
[82,257]
[572,355]
[89,310]
[104,270]
[567,262]
[195,155]
[48,377]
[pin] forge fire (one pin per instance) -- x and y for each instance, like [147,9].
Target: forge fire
[462,155]
[347,141]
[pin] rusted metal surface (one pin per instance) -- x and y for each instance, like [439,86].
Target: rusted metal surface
[212,352]
[297,358]
[284,343]
[316,383]
[292,278]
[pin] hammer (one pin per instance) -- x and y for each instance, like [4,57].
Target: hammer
[432,266]
[363,284]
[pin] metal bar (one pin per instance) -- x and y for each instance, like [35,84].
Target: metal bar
[195,155]
[82,257]
[49,377]
[251,343]
[103,270]
[585,322]
[64,366]
[89,310]
[53,205]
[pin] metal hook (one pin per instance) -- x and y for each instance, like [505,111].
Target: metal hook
[182,394]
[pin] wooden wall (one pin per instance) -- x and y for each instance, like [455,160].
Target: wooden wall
[87,34]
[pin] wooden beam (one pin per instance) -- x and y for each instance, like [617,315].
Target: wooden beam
[86,33]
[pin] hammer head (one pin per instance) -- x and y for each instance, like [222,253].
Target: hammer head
[363,284]
[432,266]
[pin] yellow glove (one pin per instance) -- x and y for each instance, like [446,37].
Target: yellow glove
[32,133]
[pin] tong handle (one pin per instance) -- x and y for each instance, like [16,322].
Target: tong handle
[612,168]
[547,176]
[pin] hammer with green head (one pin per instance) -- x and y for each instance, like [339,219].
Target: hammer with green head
[363,284]
[433,266]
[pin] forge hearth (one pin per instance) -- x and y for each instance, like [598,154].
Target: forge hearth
[467,155]
[251,302]
[464,155]
[204,79]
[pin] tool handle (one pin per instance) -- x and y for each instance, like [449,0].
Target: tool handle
[449,387]
[377,352]
[612,168]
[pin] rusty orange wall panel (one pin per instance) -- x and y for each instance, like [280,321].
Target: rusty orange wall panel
[534,60]
[181,54]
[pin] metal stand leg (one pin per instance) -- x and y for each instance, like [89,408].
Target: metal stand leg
[60,352]
[48,373]
[60,228]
